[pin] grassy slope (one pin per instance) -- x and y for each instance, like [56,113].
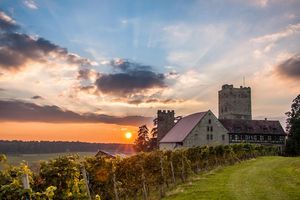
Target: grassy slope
[263,178]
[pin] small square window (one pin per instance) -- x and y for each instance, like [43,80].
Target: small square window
[269,137]
[261,137]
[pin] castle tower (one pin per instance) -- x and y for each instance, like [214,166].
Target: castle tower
[235,103]
[165,121]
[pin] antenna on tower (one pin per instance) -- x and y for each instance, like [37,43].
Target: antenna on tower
[243,81]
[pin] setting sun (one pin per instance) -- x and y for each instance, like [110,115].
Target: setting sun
[128,135]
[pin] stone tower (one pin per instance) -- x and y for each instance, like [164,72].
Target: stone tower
[165,121]
[235,103]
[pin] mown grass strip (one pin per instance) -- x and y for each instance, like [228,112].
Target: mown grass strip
[267,178]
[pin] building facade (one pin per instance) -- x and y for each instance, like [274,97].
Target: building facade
[197,129]
[266,132]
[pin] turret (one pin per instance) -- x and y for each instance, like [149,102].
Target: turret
[165,121]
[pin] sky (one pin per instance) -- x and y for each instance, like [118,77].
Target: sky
[92,70]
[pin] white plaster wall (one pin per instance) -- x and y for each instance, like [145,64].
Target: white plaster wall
[198,136]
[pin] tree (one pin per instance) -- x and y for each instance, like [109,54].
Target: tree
[142,141]
[293,128]
[153,140]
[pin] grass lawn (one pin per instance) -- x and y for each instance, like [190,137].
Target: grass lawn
[262,178]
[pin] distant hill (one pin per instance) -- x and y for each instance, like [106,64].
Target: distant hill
[39,147]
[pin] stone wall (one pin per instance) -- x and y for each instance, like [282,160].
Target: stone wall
[235,103]
[165,121]
[208,132]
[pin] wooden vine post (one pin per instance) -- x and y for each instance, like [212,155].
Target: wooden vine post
[26,186]
[114,181]
[182,168]
[86,182]
[172,171]
[145,196]
[162,185]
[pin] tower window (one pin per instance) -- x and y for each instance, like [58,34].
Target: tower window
[207,128]
[211,129]
[209,121]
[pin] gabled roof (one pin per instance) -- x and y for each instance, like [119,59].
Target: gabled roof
[253,126]
[109,154]
[179,132]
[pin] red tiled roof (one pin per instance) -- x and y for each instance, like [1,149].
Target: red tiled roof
[253,126]
[179,132]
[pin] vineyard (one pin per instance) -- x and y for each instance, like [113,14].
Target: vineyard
[142,176]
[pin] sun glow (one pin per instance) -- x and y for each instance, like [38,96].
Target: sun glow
[128,135]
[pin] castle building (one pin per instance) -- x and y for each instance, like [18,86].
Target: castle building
[235,103]
[235,124]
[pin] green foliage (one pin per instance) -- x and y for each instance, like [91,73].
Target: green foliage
[11,182]
[100,171]
[63,173]
[3,158]
[127,178]
[293,128]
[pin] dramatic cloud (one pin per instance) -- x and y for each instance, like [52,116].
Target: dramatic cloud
[83,74]
[290,67]
[29,112]
[7,23]
[17,48]
[30,4]
[129,78]
[154,100]
[87,74]
[288,31]
[37,97]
